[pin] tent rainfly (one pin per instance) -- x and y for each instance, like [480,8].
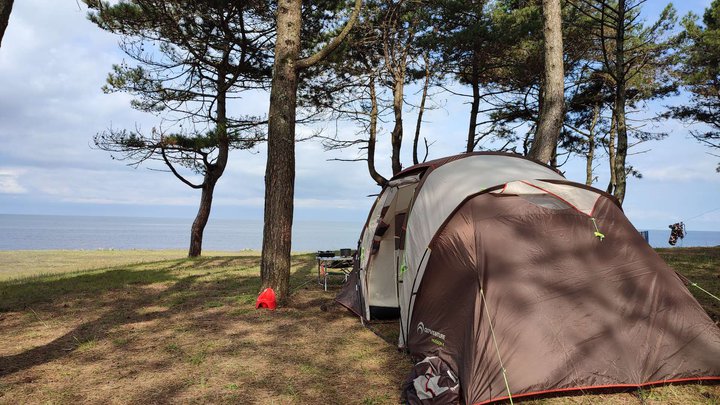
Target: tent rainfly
[524,283]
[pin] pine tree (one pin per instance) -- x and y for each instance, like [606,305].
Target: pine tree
[700,73]
[190,60]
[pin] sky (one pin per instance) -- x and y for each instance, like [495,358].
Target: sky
[53,63]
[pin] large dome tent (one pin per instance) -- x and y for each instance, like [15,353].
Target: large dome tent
[524,283]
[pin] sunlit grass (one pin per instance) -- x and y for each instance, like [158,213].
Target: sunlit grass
[27,263]
[157,327]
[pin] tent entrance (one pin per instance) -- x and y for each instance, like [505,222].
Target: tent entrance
[383,269]
[384,313]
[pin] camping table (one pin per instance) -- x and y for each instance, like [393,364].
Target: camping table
[341,263]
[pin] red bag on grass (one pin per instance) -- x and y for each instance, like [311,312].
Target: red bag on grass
[266,299]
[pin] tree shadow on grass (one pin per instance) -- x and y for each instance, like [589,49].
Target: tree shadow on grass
[122,311]
[161,333]
[16,295]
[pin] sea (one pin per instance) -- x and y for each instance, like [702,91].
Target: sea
[44,232]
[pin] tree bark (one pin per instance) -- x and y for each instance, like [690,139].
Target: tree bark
[553,107]
[611,152]
[590,157]
[589,161]
[397,133]
[5,9]
[620,98]
[474,107]
[372,137]
[418,124]
[396,56]
[201,219]
[213,171]
[280,168]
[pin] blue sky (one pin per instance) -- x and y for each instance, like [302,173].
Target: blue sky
[53,63]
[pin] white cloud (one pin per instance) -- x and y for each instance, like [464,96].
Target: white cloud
[257,202]
[145,200]
[54,62]
[326,203]
[9,181]
[703,170]
[644,214]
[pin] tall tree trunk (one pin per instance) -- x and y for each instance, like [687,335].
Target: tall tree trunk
[397,133]
[611,152]
[280,168]
[590,157]
[553,107]
[418,124]
[372,137]
[395,53]
[5,9]
[474,107]
[620,97]
[589,161]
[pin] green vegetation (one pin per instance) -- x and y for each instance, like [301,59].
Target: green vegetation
[701,266]
[185,330]
[700,72]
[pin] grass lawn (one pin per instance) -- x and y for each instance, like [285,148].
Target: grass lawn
[154,327]
[701,266]
[26,263]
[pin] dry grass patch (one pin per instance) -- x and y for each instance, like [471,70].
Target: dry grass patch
[186,331]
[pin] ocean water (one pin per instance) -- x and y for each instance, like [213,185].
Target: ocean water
[659,239]
[42,232]
[31,232]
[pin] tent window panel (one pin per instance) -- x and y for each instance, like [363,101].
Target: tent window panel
[381,228]
[375,247]
[545,201]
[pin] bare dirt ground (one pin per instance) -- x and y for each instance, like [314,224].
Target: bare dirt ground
[186,331]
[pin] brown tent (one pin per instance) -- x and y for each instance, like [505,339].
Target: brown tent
[525,283]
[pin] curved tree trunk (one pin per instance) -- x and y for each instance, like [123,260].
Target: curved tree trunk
[5,9]
[213,172]
[553,106]
[201,219]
